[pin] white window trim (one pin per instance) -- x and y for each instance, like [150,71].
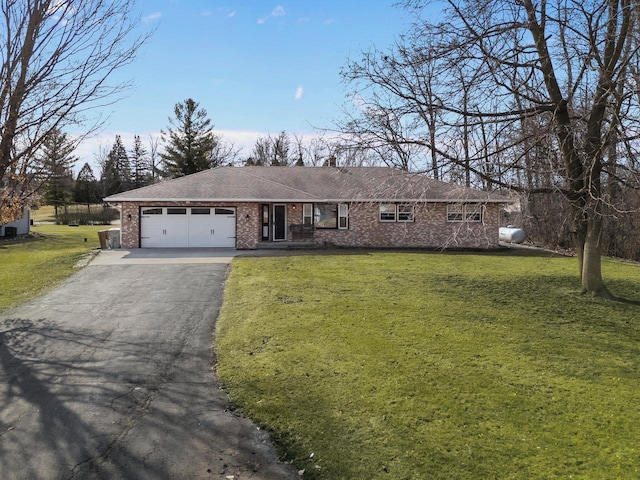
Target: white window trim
[395,213]
[412,213]
[466,212]
[307,213]
[343,214]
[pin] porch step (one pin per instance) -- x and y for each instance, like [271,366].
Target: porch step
[288,245]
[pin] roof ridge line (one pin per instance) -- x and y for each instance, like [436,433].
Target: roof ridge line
[244,172]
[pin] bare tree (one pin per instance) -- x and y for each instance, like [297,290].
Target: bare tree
[154,161]
[56,57]
[271,151]
[564,66]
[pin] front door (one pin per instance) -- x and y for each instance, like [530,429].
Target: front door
[279,222]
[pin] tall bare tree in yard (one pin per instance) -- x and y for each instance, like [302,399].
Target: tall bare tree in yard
[55,61]
[568,67]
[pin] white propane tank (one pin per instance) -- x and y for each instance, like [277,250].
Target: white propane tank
[511,234]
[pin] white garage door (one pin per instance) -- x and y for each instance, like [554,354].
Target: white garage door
[187,227]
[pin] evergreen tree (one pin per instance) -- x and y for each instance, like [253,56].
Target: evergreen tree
[86,188]
[55,163]
[116,170]
[190,143]
[140,164]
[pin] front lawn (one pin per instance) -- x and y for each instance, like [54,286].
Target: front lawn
[435,366]
[31,265]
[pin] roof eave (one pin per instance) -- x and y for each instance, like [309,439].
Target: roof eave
[306,200]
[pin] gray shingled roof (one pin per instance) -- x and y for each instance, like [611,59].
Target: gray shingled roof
[305,184]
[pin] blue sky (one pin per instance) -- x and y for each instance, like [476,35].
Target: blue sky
[258,67]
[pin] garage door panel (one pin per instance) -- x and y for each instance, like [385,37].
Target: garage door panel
[225,224]
[201,228]
[151,227]
[188,227]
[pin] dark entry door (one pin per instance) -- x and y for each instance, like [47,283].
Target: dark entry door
[279,222]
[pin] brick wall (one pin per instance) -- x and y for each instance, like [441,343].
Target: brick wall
[247,221]
[430,228]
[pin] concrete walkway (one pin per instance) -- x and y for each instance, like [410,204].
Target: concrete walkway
[111,376]
[165,256]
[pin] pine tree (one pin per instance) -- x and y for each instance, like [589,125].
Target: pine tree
[116,170]
[189,145]
[140,164]
[55,163]
[86,188]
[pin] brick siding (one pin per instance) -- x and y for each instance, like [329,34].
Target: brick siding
[430,228]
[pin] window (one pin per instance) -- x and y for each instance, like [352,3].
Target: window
[473,212]
[307,214]
[176,211]
[225,211]
[387,213]
[390,212]
[343,216]
[464,212]
[151,211]
[200,211]
[325,216]
[405,213]
[455,212]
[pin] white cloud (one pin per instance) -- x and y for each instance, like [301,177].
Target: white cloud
[231,14]
[206,13]
[329,21]
[152,17]
[359,101]
[304,20]
[299,92]
[276,12]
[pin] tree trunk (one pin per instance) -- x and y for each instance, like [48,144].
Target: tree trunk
[589,252]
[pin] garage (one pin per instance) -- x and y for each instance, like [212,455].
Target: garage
[170,227]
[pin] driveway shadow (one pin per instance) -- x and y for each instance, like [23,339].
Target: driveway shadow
[110,388]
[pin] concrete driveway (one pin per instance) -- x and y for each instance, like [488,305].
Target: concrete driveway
[111,376]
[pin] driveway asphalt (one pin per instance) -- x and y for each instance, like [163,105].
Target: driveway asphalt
[111,376]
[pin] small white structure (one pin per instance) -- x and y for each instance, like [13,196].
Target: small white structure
[511,234]
[20,227]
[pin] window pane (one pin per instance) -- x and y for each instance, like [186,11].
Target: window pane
[307,214]
[151,211]
[200,211]
[176,211]
[387,213]
[455,212]
[405,213]
[343,216]
[473,212]
[225,211]
[325,216]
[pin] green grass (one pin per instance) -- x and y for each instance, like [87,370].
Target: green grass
[32,265]
[433,366]
[43,213]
